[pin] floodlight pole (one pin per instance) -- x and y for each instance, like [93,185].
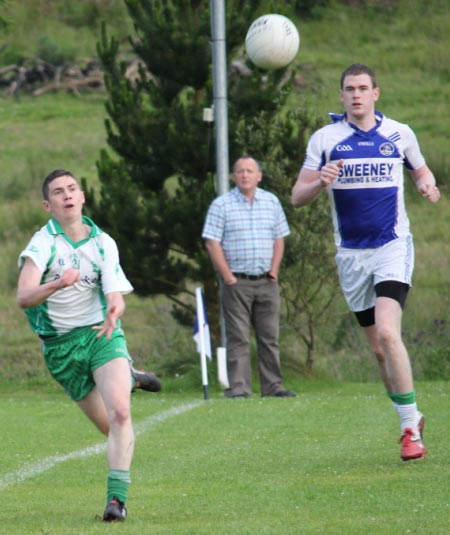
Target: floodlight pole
[219,59]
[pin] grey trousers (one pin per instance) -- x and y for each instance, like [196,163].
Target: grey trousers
[254,304]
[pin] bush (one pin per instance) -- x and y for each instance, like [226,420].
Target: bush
[54,51]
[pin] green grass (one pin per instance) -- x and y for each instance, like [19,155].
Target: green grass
[49,132]
[326,462]
[57,31]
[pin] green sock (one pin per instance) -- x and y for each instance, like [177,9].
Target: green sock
[404,399]
[118,483]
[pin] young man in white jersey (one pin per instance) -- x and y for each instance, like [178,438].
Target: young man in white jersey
[71,286]
[358,159]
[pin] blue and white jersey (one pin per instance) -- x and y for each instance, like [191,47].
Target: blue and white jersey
[367,198]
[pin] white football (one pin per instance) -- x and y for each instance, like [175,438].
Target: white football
[272,41]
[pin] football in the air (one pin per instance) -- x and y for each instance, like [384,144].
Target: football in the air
[272,41]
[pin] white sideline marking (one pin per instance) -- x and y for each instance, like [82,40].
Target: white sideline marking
[33,469]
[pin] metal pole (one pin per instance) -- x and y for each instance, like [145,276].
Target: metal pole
[219,56]
[220,92]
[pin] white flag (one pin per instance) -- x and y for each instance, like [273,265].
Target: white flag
[201,328]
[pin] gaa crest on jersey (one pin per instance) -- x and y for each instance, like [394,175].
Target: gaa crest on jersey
[387,149]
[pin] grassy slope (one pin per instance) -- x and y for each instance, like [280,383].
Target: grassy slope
[67,131]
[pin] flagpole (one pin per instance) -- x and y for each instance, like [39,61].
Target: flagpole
[201,324]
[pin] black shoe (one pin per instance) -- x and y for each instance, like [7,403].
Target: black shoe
[229,394]
[281,394]
[115,511]
[285,394]
[145,380]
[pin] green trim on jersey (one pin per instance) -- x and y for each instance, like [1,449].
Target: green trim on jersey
[38,317]
[104,303]
[53,228]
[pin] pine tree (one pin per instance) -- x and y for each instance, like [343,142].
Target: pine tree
[159,182]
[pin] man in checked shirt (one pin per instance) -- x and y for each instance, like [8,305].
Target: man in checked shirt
[244,233]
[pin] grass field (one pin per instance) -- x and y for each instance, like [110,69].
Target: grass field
[326,462]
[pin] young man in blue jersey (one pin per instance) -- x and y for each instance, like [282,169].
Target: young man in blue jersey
[71,286]
[358,160]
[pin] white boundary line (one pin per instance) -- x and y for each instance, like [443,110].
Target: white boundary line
[33,469]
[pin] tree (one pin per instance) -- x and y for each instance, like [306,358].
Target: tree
[308,279]
[3,22]
[158,184]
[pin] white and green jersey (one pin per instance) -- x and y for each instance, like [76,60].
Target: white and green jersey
[84,303]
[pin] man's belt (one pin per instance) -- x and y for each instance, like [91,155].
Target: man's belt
[250,277]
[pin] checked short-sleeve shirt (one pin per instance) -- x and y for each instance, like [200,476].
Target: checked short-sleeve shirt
[246,231]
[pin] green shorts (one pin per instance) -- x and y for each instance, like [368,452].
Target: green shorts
[72,358]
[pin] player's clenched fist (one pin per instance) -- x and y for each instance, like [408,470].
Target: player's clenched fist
[330,172]
[430,192]
[70,276]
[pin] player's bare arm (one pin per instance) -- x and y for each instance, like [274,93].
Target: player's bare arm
[30,291]
[310,183]
[426,184]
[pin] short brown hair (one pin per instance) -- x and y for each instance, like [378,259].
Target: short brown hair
[52,176]
[358,68]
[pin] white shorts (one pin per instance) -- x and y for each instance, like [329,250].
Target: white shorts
[360,270]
